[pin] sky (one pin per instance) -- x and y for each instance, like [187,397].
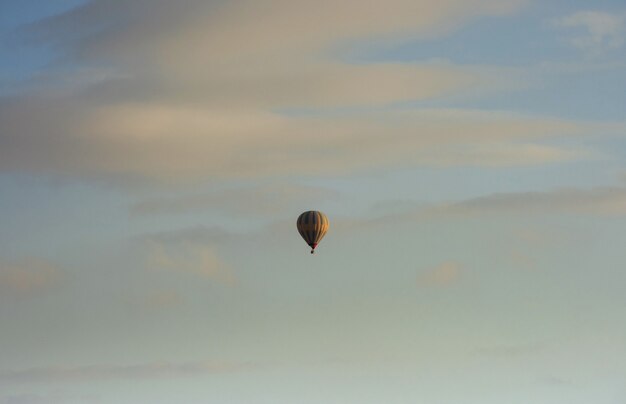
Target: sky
[469,154]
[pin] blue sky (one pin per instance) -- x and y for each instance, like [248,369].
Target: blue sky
[469,154]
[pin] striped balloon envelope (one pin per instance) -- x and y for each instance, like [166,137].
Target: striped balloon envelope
[312,226]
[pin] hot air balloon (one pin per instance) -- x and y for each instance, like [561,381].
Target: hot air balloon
[312,226]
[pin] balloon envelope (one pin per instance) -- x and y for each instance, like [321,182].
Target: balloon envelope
[312,226]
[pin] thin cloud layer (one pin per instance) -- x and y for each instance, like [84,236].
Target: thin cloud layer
[106,372]
[515,350]
[195,90]
[601,201]
[252,201]
[596,201]
[160,31]
[197,235]
[52,398]
[602,31]
[441,275]
[223,120]
[175,143]
[198,260]
[163,299]
[27,276]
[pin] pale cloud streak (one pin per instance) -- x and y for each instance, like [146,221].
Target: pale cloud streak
[51,398]
[603,31]
[441,275]
[175,143]
[212,33]
[163,299]
[596,201]
[189,92]
[197,235]
[199,260]
[593,202]
[259,200]
[515,350]
[601,201]
[268,54]
[28,276]
[156,370]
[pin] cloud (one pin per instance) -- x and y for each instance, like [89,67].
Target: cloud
[621,177]
[202,90]
[600,201]
[163,299]
[27,276]
[442,275]
[53,398]
[173,143]
[245,53]
[160,31]
[556,381]
[514,350]
[155,370]
[522,259]
[502,155]
[197,235]
[257,200]
[596,201]
[603,31]
[199,260]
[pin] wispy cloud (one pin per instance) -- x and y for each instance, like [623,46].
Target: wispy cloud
[199,260]
[556,381]
[163,299]
[154,370]
[441,275]
[522,259]
[244,29]
[502,155]
[601,201]
[51,398]
[27,276]
[597,201]
[507,351]
[602,31]
[193,91]
[254,201]
[175,143]
[197,235]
